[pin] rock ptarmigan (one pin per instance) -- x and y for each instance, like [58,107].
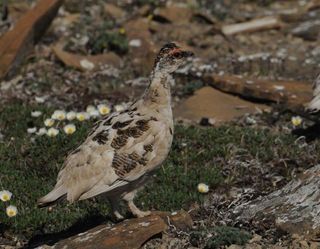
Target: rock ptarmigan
[123,149]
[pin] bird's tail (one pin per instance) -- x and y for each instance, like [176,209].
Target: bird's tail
[57,194]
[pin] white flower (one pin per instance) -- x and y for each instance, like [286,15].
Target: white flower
[103,109]
[52,132]
[86,64]
[119,108]
[36,114]
[11,211]
[5,195]
[42,131]
[203,188]
[59,115]
[69,129]
[296,121]
[40,99]
[32,130]
[90,108]
[81,116]
[49,122]
[71,115]
[94,114]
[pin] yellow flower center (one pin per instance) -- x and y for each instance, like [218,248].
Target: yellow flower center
[5,197]
[11,213]
[81,117]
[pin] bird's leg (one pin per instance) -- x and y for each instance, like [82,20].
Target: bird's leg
[133,208]
[115,208]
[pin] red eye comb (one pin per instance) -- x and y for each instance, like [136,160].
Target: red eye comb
[175,51]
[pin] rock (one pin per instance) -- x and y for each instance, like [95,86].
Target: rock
[89,62]
[167,242]
[19,41]
[181,32]
[211,103]
[129,234]
[308,30]
[207,121]
[144,10]
[173,14]
[293,94]
[205,16]
[294,208]
[143,55]
[255,25]
[114,11]
[179,220]
[313,4]
[255,238]
[314,245]
[253,246]
[235,247]
[17,10]
[61,23]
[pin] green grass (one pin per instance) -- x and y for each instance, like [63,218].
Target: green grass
[29,167]
[219,237]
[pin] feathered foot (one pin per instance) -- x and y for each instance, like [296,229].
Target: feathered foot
[133,208]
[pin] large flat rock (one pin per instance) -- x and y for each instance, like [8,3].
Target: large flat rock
[293,94]
[129,234]
[19,41]
[211,103]
[294,209]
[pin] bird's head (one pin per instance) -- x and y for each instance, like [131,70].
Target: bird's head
[170,57]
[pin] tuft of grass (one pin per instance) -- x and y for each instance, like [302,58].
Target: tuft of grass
[108,41]
[219,237]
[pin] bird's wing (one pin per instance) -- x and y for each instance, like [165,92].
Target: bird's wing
[120,149]
[314,104]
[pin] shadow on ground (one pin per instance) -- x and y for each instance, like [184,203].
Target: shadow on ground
[311,133]
[82,225]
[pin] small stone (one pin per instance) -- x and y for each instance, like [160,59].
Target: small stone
[308,30]
[135,43]
[86,64]
[234,247]
[304,244]
[207,121]
[255,238]
[314,245]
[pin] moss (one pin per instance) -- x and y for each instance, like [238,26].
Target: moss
[108,41]
[219,237]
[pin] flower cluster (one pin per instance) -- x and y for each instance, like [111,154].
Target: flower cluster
[5,196]
[60,120]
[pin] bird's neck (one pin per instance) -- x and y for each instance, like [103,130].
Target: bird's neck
[158,91]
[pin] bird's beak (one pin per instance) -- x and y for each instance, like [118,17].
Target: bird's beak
[187,53]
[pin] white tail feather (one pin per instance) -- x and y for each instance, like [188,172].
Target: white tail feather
[54,195]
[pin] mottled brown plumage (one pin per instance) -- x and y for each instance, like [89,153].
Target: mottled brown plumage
[123,149]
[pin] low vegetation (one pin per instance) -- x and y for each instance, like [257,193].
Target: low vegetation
[30,163]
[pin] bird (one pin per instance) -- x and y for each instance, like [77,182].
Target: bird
[314,104]
[123,150]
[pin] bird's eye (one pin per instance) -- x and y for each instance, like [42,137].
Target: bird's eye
[177,55]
